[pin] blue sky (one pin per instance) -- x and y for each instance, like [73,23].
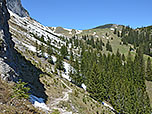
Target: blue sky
[85,14]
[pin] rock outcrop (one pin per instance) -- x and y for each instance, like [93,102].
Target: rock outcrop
[13,65]
[6,44]
[16,7]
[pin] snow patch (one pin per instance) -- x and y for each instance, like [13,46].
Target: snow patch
[78,31]
[46,55]
[38,102]
[105,104]
[54,29]
[54,59]
[97,36]
[67,29]
[94,33]
[84,86]
[70,32]
[30,47]
[107,38]
[112,29]
[70,45]
[64,75]
[67,68]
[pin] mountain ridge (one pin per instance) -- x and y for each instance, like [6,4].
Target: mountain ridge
[16,7]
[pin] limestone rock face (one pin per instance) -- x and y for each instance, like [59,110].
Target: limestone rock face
[6,44]
[13,65]
[16,7]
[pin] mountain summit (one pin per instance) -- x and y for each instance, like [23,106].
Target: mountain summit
[16,7]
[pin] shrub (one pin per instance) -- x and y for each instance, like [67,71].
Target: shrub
[20,91]
[1,44]
[56,111]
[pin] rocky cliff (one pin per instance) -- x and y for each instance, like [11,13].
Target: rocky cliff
[16,7]
[6,44]
[13,65]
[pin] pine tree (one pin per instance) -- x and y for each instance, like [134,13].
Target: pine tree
[49,51]
[75,76]
[123,57]
[107,78]
[71,55]
[118,54]
[49,41]
[149,70]
[37,47]
[115,31]
[118,33]
[50,60]
[108,46]
[64,51]
[94,83]
[42,48]
[59,63]
[20,90]
[42,39]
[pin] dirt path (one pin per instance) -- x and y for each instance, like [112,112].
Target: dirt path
[65,97]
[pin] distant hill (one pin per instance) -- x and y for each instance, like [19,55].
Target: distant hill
[108,26]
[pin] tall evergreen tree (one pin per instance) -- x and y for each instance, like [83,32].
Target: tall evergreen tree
[76,77]
[108,46]
[64,51]
[149,70]
[59,63]
[94,83]
[49,50]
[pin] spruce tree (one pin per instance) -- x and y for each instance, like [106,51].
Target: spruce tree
[59,63]
[75,76]
[42,48]
[115,31]
[108,46]
[49,50]
[94,83]
[64,51]
[149,70]
[37,47]
[50,60]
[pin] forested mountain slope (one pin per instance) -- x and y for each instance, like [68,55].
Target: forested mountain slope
[140,37]
[118,78]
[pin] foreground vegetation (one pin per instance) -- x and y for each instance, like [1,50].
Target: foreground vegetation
[15,100]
